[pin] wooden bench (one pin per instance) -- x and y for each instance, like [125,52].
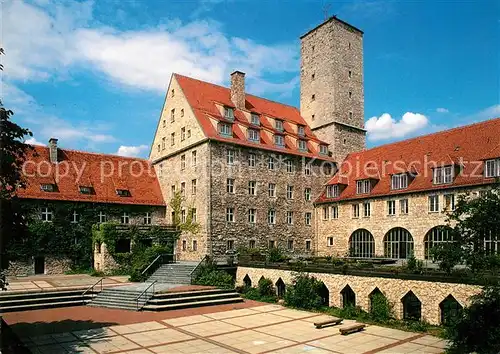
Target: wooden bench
[332,322]
[352,328]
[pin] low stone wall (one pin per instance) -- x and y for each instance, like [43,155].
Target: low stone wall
[430,294]
[103,260]
[52,266]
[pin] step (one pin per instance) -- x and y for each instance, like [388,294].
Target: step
[120,296]
[40,295]
[192,299]
[115,306]
[36,300]
[42,306]
[192,293]
[192,304]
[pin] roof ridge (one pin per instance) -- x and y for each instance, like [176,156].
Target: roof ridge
[92,153]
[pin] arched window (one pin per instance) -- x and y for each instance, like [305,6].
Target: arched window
[325,295]
[247,281]
[362,244]
[373,298]
[435,236]
[412,307]
[348,297]
[280,288]
[398,243]
[450,310]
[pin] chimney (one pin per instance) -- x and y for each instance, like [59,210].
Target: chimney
[238,89]
[53,150]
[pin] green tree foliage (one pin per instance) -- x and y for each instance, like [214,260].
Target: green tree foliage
[176,204]
[304,292]
[381,308]
[478,329]
[266,287]
[208,274]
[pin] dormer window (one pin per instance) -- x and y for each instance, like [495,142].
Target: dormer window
[278,125]
[399,181]
[86,190]
[255,119]
[302,145]
[443,175]
[48,187]
[123,192]
[323,150]
[301,130]
[225,130]
[229,113]
[492,168]
[332,191]
[363,186]
[253,135]
[279,140]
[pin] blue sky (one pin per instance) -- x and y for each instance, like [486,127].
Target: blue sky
[93,74]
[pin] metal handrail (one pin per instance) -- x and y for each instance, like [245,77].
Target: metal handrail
[145,290]
[151,264]
[91,288]
[203,260]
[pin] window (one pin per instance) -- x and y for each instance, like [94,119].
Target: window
[492,168]
[436,236]
[278,124]
[449,202]
[334,212]
[147,219]
[251,160]
[172,139]
[255,119]
[86,190]
[125,219]
[403,206]
[183,162]
[301,130]
[225,130]
[184,245]
[366,210]
[312,117]
[164,123]
[270,163]
[350,94]
[290,245]
[253,135]
[102,217]
[194,215]
[159,148]
[230,157]
[75,217]
[443,175]
[290,168]
[323,150]
[363,186]
[193,158]
[251,244]
[325,213]
[355,210]
[308,245]
[271,244]
[230,185]
[289,192]
[173,217]
[193,186]
[189,133]
[252,187]
[195,245]
[272,190]
[230,214]
[122,245]
[252,213]
[163,143]
[160,169]
[433,203]
[183,133]
[350,115]
[332,191]
[279,140]
[271,217]
[172,93]
[307,169]
[302,145]
[229,113]
[398,243]
[183,189]
[172,115]
[391,207]
[362,244]
[183,216]
[399,181]
[329,241]
[123,192]
[308,217]
[182,112]
[313,97]
[307,194]
[289,217]
[172,190]
[47,187]
[312,76]
[350,74]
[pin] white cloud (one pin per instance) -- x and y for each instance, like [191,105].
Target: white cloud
[487,113]
[131,151]
[33,141]
[442,110]
[386,127]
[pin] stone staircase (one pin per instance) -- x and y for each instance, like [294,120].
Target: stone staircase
[116,298]
[190,299]
[36,300]
[174,273]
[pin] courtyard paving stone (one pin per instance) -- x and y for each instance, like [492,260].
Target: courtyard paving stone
[183,321]
[161,336]
[252,341]
[191,347]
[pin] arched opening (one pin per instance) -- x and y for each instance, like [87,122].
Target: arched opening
[398,243]
[348,297]
[412,307]
[373,297]
[247,281]
[280,288]
[324,294]
[435,236]
[450,310]
[362,244]
[261,278]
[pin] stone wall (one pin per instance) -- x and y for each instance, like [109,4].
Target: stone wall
[52,266]
[430,294]
[103,260]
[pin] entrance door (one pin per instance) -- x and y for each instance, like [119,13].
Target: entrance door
[39,265]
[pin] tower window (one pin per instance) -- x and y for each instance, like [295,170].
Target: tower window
[312,76]
[350,74]
[312,117]
[349,45]
[312,48]
[313,97]
[350,94]
[350,115]
[345,141]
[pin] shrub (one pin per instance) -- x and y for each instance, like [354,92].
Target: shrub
[414,265]
[275,255]
[254,294]
[353,312]
[381,308]
[217,278]
[266,287]
[304,292]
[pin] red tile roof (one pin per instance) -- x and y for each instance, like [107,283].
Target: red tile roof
[465,147]
[204,97]
[104,173]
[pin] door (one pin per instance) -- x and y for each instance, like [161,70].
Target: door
[39,265]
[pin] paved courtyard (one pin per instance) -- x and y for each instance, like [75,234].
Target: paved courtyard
[60,282]
[253,329]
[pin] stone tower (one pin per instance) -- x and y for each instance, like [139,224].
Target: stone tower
[331,85]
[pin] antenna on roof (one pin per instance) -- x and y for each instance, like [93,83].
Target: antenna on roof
[326,9]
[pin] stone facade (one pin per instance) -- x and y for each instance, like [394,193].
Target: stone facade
[52,266]
[430,294]
[418,221]
[331,85]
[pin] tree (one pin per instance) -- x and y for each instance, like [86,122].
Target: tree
[12,155]
[478,329]
[475,234]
